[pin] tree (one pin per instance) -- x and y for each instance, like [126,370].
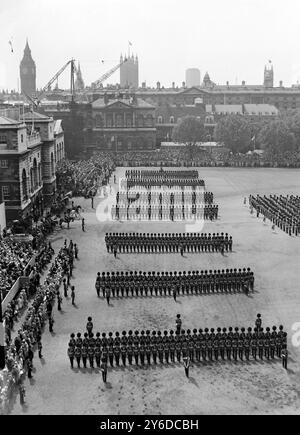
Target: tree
[235,131]
[292,120]
[277,138]
[189,130]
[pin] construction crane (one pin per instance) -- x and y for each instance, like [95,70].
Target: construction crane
[105,76]
[36,100]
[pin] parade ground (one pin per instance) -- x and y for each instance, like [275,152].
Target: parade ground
[222,387]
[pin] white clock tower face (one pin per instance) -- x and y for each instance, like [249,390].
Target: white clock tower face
[24,70]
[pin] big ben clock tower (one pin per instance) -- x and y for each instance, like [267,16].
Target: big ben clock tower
[28,72]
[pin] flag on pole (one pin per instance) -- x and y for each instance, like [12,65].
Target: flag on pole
[253,139]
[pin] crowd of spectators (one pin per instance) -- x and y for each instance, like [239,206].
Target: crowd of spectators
[82,177]
[19,351]
[14,257]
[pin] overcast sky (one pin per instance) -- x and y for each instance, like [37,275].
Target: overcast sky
[231,39]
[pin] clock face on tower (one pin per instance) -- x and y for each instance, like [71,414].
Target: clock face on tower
[24,70]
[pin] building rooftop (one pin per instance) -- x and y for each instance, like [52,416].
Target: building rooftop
[35,116]
[138,103]
[8,121]
[229,108]
[260,109]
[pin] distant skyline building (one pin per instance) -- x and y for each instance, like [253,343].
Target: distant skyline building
[192,77]
[79,83]
[28,72]
[129,72]
[269,75]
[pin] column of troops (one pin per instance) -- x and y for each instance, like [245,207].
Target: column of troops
[168,347]
[168,242]
[282,211]
[121,284]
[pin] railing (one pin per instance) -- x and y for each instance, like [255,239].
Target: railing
[33,139]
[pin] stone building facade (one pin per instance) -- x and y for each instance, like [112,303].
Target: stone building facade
[27,165]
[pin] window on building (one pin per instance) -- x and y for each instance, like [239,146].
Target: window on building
[171,119]
[5,193]
[160,120]
[3,163]
[22,138]
[3,138]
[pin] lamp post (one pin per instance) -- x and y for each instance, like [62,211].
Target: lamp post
[2,349]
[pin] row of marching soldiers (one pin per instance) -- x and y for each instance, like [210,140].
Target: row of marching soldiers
[168,242]
[167,198]
[134,173]
[133,211]
[147,283]
[141,347]
[169,182]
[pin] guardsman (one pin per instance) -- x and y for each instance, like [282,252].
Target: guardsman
[73,295]
[142,353]
[191,349]
[284,356]
[261,346]
[84,354]
[278,345]
[85,341]
[228,347]
[123,354]
[98,285]
[107,295]
[91,353]
[103,368]
[253,344]
[209,344]
[167,350]
[89,326]
[234,345]
[78,355]
[247,348]
[136,353]
[98,355]
[111,355]
[258,322]
[160,349]
[78,341]
[241,348]
[178,323]
[172,346]
[148,353]
[71,355]
[216,348]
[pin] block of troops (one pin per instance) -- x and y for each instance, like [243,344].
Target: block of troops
[158,197]
[161,174]
[162,212]
[282,211]
[169,182]
[123,284]
[168,242]
[152,347]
